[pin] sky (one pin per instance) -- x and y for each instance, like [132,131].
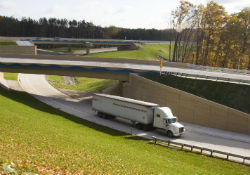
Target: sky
[121,13]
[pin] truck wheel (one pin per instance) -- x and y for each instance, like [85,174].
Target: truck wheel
[138,126]
[99,114]
[170,134]
[104,116]
[147,127]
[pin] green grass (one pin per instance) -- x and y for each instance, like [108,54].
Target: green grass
[7,43]
[146,52]
[40,139]
[82,83]
[233,95]
[10,76]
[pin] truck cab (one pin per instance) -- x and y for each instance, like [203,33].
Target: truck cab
[164,119]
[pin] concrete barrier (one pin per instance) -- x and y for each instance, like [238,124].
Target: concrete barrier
[189,108]
[18,50]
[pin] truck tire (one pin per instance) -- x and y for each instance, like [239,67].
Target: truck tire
[147,127]
[99,114]
[105,116]
[170,134]
[139,126]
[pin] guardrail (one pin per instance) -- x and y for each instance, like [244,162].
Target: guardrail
[219,69]
[202,150]
[197,76]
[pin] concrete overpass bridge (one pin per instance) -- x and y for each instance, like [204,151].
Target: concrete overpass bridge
[121,44]
[74,66]
[106,68]
[81,41]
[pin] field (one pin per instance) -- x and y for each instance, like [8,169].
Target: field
[7,43]
[37,138]
[146,52]
[82,83]
[10,76]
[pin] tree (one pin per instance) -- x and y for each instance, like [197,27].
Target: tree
[181,16]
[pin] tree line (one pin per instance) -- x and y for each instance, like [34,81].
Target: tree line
[208,35]
[53,27]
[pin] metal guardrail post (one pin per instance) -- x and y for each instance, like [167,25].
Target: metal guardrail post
[155,139]
[204,149]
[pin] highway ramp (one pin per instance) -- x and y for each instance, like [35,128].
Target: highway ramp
[38,86]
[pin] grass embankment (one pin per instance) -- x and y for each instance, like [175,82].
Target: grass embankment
[7,43]
[233,95]
[82,83]
[10,76]
[145,52]
[37,138]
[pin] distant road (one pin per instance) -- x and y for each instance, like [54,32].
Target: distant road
[38,86]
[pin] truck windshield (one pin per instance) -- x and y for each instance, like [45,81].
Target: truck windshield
[172,120]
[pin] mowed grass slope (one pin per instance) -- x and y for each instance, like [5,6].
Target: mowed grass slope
[7,43]
[40,139]
[82,83]
[145,52]
[10,76]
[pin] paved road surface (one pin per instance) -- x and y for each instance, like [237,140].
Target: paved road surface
[41,89]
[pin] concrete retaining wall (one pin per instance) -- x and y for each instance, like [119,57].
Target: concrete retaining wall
[18,50]
[188,107]
[114,90]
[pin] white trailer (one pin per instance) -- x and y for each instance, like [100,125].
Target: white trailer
[143,115]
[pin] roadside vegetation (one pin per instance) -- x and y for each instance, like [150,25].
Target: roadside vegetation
[207,35]
[145,52]
[82,83]
[232,95]
[37,138]
[10,76]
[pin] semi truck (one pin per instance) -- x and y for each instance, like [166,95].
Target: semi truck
[143,115]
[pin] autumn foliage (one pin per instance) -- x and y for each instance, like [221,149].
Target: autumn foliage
[208,35]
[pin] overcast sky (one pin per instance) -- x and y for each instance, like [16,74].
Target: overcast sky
[121,13]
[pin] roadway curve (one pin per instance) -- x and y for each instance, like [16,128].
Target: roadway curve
[38,86]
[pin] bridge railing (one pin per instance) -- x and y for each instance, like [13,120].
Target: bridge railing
[219,69]
[214,78]
[201,150]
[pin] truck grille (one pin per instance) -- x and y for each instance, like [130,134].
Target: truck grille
[181,129]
